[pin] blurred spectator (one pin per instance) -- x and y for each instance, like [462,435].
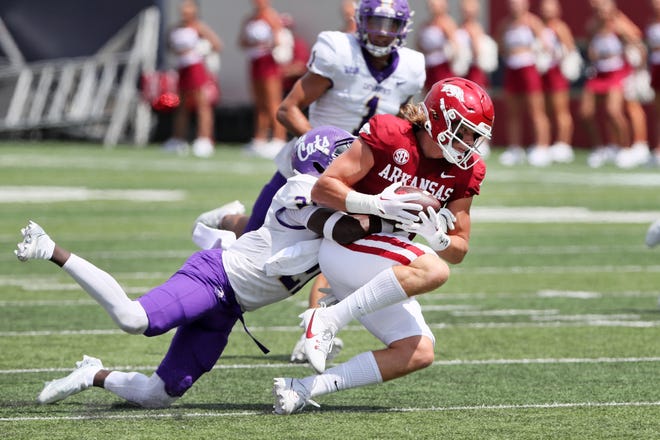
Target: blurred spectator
[259,37]
[297,67]
[653,41]
[520,35]
[636,90]
[437,41]
[191,40]
[472,38]
[348,16]
[608,31]
[480,53]
[556,86]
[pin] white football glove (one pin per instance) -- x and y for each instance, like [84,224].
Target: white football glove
[387,204]
[433,226]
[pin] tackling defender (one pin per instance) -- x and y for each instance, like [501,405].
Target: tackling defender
[350,78]
[210,292]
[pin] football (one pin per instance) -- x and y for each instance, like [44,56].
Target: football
[425,198]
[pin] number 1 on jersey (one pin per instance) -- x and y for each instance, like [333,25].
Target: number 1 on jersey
[372,106]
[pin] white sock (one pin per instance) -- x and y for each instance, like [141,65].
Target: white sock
[383,290]
[358,371]
[148,392]
[128,314]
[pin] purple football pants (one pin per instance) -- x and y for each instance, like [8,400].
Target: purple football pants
[199,301]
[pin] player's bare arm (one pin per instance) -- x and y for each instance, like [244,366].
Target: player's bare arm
[460,235]
[306,90]
[335,183]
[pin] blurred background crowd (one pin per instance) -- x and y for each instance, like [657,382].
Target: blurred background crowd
[190,74]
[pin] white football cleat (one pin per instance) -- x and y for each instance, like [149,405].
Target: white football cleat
[213,218]
[36,244]
[298,355]
[653,234]
[290,396]
[319,338]
[72,384]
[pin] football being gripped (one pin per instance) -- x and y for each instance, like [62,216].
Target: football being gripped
[425,198]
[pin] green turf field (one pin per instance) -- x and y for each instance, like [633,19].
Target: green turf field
[550,328]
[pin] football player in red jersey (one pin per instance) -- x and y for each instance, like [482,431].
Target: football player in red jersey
[434,146]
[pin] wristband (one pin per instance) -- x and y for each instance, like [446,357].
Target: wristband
[359,203]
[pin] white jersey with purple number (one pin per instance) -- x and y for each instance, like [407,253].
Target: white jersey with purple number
[358,91]
[284,227]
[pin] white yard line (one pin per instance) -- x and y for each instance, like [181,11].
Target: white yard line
[49,194]
[177,413]
[447,363]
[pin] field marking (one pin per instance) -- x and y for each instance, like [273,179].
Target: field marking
[561,214]
[604,321]
[52,285]
[249,166]
[179,414]
[49,194]
[446,363]
[576,179]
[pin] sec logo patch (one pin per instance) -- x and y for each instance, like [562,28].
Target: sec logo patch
[401,156]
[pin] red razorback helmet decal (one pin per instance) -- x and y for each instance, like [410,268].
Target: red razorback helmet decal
[451,105]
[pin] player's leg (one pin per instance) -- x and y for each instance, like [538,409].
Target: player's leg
[100,285]
[382,283]
[410,347]
[386,271]
[189,301]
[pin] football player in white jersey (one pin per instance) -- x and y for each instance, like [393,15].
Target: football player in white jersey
[350,78]
[204,299]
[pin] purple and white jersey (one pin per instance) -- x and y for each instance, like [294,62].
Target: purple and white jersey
[358,91]
[284,227]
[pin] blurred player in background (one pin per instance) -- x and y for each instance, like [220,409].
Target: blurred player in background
[198,89]
[433,145]
[350,78]
[204,299]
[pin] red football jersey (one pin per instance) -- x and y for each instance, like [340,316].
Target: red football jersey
[398,159]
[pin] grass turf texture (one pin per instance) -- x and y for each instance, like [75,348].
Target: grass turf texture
[547,330]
